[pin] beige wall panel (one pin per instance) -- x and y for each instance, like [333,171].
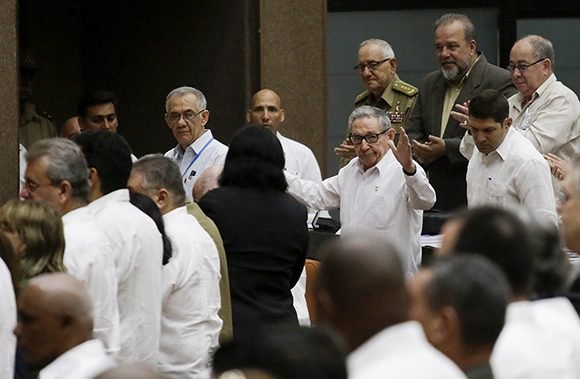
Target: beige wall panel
[8,102]
[293,61]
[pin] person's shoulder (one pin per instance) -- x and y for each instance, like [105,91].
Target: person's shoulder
[216,197]
[294,145]
[565,90]
[492,69]
[432,77]
[361,97]
[292,205]
[171,153]
[219,148]
[44,114]
[404,88]
[522,150]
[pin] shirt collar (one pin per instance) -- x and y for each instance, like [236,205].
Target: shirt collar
[505,146]
[541,89]
[520,104]
[387,160]
[198,144]
[464,78]
[120,195]
[175,213]
[407,333]
[76,356]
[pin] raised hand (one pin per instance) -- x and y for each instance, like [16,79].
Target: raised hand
[403,152]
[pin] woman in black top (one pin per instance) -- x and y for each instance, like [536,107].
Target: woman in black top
[263,228]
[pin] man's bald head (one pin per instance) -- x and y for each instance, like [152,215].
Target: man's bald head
[207,181]
[55,315]
[70,127]
[266,110]
[361,288]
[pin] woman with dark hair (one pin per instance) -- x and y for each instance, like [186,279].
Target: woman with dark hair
[263,229]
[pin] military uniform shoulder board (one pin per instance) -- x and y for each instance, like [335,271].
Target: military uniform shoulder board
[43,113]
[361,97]
[405,88]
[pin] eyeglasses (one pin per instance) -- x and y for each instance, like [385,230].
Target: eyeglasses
[522,67]
[32,186]
[372,65]
[187,116]
[370,138]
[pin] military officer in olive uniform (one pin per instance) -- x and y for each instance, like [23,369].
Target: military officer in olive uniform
[34,123]
[378,70]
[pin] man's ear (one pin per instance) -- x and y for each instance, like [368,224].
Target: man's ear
[81,123]
[167,121]
[282,115]
[507,122]
[472,47]
[248,116]
[94,183]
[93,176]
[204,117]
[65,191]
[162,198]
[443,326]
[391,133]
[393,63]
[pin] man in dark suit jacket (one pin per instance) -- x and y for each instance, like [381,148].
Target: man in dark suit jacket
[464,73]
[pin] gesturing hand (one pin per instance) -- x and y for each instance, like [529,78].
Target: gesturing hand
[461,114]
[429,151]
[403,152]
[345,150]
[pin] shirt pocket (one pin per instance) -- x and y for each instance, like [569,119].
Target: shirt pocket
[379,215]
[497,192]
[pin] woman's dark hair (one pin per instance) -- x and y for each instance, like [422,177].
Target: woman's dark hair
[148,206]
[255,159]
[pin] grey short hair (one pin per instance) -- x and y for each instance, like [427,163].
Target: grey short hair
[387,49]
[182,91]
[159,172]
[66,161]
[543,47]
[367,111]
[468,27]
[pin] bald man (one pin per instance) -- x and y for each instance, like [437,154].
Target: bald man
[207,181]
[70,128]
[363,296]
[266,110]
[55,329]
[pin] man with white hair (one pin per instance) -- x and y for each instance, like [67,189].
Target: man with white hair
[186,115]
[382,190]
[377,66]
